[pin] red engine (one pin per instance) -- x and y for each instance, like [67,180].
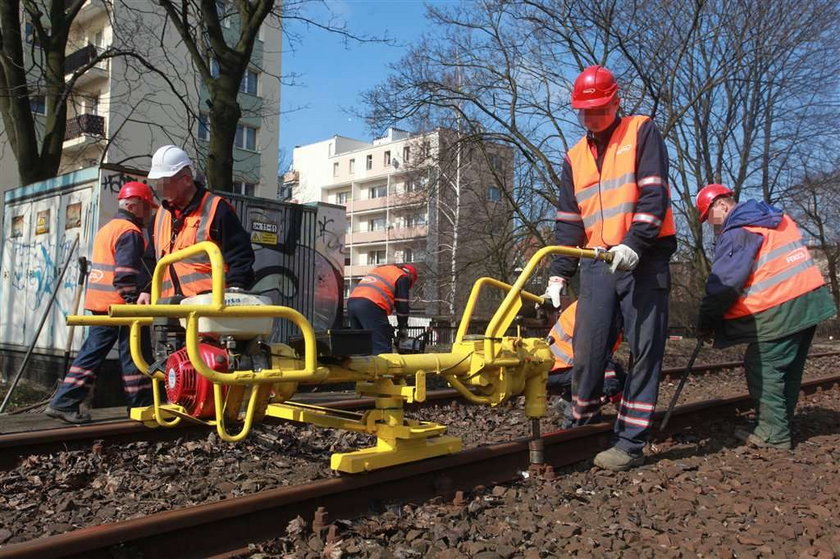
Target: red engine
[186,387]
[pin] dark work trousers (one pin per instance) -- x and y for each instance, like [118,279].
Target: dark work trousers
[641,296]
[366,315]
[774,375]
[82,374]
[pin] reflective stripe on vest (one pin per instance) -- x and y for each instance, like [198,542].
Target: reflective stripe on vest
[561,335]
[783,270]
[194,273]
[379,286]
[101,292]
[607,199]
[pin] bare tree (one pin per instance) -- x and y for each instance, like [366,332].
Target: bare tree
[739,88]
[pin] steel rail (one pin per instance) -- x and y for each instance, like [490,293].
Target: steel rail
[14,446]
[229,525]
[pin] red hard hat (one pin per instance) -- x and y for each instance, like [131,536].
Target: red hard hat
[707,196]
[136,189]
[594,87]
[411,271]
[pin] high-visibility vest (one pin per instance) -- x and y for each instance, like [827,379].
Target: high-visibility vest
[561,335]
[101,292]
[380,286]
[607,199]
[783,270]
[194,273]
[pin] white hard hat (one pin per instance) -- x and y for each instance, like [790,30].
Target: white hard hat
[167,161]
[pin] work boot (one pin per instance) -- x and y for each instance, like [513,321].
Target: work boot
[70,416]
[751,439]
[618,460]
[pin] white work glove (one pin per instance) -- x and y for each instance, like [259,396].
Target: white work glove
[624,258]
[554,289]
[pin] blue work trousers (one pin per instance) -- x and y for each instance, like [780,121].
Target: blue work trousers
[641,296]
[366,315]
[82,373]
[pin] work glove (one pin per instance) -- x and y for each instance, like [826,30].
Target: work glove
[554,289]
[624,258]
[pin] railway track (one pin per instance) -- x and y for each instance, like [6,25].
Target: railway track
[17,445]
[228,526]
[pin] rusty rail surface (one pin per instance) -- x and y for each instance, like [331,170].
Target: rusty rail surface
[229,525]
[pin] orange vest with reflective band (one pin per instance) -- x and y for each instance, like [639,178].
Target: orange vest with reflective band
[194,273]
[561,335]
[783,270]
[607,199]
[380,286]
[101,292]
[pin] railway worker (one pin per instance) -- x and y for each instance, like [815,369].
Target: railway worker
[118,276]
[384,290]
[614,195]
[191,214]
[560,378]
[766,291]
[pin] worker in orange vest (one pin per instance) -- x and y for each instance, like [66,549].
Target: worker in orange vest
[384,290]
[191,214]
[560,378]
[614,195]
[118,276]
[764,290]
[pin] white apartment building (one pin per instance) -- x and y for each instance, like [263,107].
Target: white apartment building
[120,112]
[399,194]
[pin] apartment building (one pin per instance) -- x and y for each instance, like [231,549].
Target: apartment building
[412,198]
[120,112]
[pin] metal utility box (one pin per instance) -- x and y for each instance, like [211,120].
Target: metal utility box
[299,259]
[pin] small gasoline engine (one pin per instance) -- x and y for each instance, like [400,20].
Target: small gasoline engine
[226,345]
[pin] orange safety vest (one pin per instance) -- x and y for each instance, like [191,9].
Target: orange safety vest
[561,335]
[380,286]
[607,200]
[194,274]
[783,270]
[101,292]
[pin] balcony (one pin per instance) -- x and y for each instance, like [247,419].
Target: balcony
[359,237]
[367,204]
[90,10]
[403,233]
[82,57]
[84,129]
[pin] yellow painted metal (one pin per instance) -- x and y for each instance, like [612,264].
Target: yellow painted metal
[487,370]
[464,326]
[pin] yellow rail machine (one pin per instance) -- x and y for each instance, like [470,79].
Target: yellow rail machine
[215,366]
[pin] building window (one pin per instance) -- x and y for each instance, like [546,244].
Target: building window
[92,105]
[408,255]
[415,220]
[375,257]
[214,68]
[495,161]
[386,158]
[369,162]
[223,13]
[342,197]
[30,34]
[204,127]
[377,191]
[415,184]
[99,39]
[246,137]
[352,166]
[406,153]
[335,169]
[348,228]
[249,82]
[38,105]
[494,194]
[376,224]
[245,188]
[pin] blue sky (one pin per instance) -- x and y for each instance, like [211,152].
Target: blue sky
[332,75]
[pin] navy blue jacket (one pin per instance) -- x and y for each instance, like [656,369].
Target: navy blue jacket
[128,256]
[643,237]
[735,252]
